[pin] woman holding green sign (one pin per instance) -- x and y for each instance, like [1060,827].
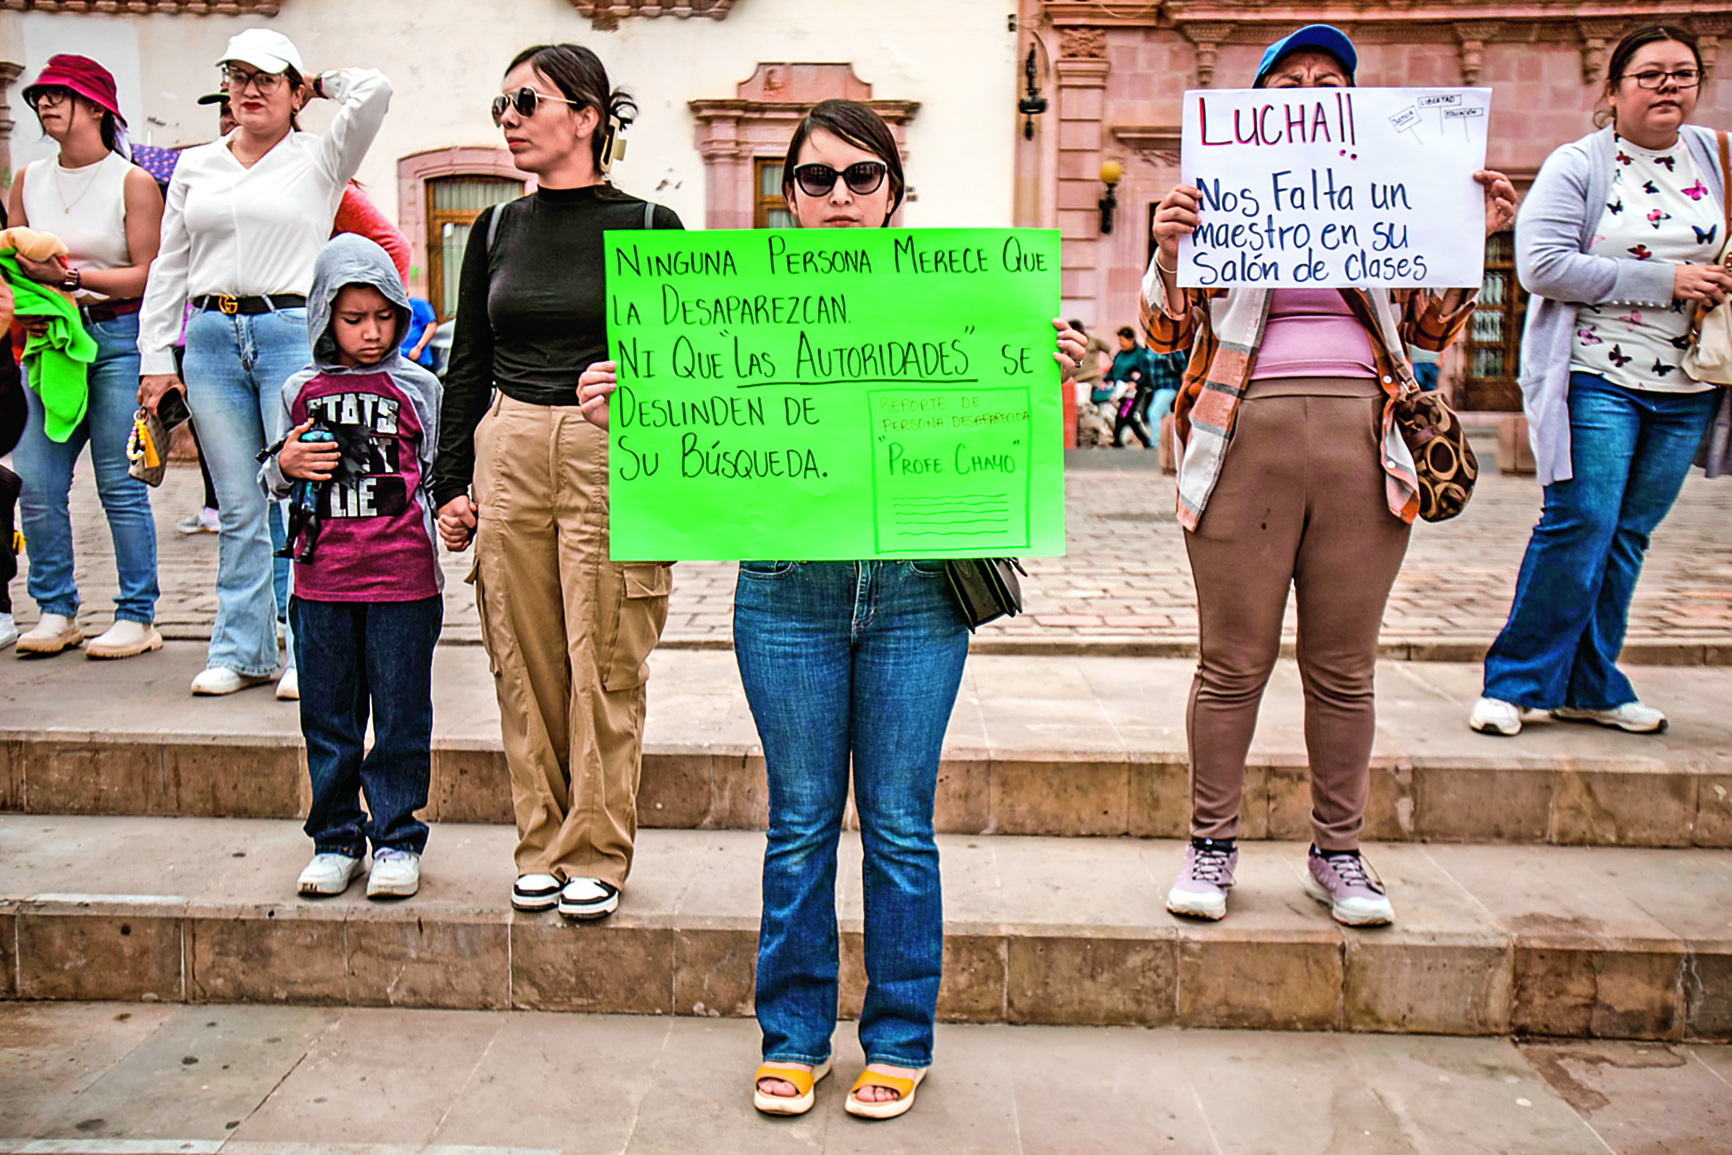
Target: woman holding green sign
[1292,474]
[846,664]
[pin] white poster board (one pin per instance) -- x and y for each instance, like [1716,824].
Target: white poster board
[1331,187]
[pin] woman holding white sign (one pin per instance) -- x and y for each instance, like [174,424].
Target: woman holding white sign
[847,665]
[1618,243]
[568,632]
[1291,473]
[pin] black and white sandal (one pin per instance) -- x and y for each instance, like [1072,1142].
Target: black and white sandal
[587,898]
[535,892]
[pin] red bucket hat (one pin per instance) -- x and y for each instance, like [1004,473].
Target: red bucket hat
[82,75]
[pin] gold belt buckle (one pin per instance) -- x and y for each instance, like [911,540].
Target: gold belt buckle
[227,304]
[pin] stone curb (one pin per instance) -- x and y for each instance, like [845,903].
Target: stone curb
[1504,798]
[1292,970]
[1657,652]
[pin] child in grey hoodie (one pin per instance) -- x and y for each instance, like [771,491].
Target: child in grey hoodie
[366,608]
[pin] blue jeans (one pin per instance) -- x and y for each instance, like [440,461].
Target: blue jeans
[46,467]
[1161,404]
[839,659]
[1629,454]
[235,369]
[358,658]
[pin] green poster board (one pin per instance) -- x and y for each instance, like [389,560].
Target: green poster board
[834,394]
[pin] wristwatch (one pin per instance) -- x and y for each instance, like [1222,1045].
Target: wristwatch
[72,282]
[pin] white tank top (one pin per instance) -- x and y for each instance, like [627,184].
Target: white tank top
[85,207]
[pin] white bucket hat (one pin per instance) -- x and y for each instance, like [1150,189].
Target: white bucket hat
[265,50]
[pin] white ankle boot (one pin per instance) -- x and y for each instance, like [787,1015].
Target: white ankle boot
[124,639]
[51,635]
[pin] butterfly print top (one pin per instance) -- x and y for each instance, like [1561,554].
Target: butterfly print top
[1661,210]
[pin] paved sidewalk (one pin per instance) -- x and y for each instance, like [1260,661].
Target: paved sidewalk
[259,1080]
[1124,587]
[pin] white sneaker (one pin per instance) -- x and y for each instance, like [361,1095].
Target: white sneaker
[204,521]
[396,874]
[535,892]
[289,686]
[124,639]
[587,898]
[52,634]
[328,874]
[1631,716]
[220,680]
[8,631]
[1495,716]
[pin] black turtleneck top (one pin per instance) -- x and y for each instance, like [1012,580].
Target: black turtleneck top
[531,311]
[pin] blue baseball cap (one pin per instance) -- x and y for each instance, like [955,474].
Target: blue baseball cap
[1323,37]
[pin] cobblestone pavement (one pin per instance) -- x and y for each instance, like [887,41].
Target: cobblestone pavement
[1125,580]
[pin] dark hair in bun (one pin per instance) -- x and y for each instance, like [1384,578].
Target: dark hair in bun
[581,77]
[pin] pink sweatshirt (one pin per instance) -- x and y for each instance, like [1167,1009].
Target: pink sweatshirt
[1312,333]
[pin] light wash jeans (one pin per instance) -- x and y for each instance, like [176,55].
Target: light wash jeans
[46,467]
[849,664]
[234,371]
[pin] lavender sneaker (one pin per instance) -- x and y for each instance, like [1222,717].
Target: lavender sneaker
[1201,890]
[1349,888]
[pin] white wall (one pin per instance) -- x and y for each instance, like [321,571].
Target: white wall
[445,58]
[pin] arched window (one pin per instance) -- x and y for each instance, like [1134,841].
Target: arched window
[439,194]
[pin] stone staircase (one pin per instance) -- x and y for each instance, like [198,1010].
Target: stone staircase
[1569,882]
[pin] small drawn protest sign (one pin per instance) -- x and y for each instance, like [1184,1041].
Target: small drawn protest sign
[1330,187]
[834,394]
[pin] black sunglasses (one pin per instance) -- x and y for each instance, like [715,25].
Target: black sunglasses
[524,101]
[49,94]
[816,180]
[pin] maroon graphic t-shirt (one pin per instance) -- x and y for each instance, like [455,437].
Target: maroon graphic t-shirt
[375,542]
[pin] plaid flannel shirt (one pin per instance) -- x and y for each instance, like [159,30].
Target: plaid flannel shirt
[1223,330]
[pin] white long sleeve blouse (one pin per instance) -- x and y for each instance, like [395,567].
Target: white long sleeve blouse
[255,231]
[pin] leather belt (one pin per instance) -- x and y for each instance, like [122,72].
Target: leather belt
[249,306]
[109,310]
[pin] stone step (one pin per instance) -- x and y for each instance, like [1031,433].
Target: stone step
[126,1079]
[1564,941]
[1048,746]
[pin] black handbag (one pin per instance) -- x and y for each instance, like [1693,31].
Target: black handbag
[985,588]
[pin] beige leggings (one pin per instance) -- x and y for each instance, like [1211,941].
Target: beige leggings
[1301,501]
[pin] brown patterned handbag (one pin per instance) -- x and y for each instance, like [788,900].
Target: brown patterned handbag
[1442,458]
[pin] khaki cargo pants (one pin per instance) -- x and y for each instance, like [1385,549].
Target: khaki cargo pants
[568,635]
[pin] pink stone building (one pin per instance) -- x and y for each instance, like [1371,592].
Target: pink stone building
[1113,75]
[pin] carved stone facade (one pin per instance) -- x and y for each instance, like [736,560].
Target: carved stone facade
[1083,44]
[605,15]
[733,134]
[146,7]
[1119,71]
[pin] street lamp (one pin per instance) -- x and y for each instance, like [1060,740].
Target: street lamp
[1033,104]
[1111,172]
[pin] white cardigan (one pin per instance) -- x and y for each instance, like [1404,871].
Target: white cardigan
[255,231]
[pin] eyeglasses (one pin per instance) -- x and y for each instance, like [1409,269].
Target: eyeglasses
[1654,78]
[862,179]
[264,83]
[524,100]
[52,94]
